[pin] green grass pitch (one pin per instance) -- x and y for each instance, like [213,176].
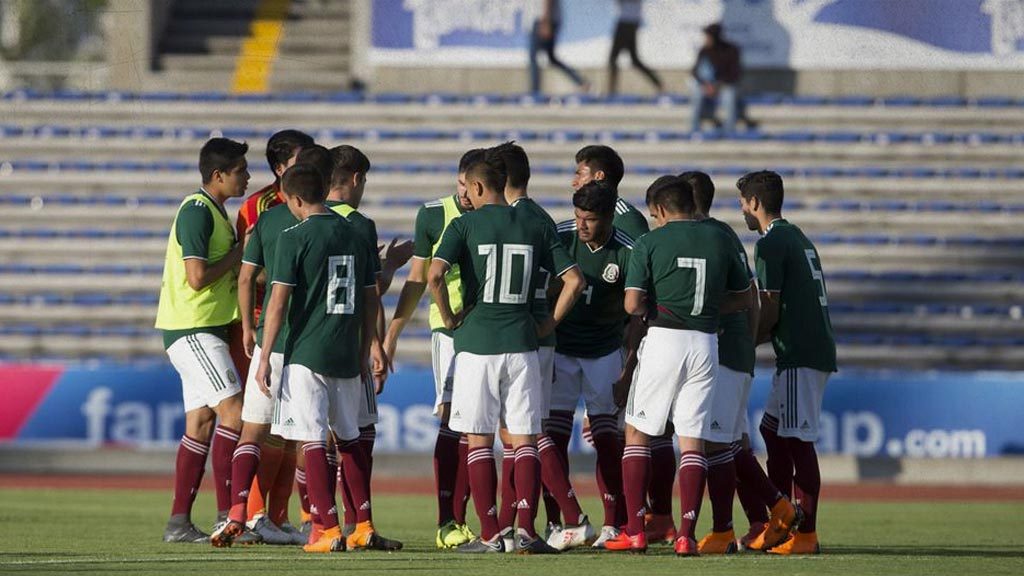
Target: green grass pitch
[118,532]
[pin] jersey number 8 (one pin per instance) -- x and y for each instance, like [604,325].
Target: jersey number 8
[341,287]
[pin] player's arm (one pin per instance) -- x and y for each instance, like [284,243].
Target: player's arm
[739,301]
[370,345]
[754,312]
[272,323]
[769,315]
[193,229]
[635,332]
[397,254]
[573,284]
[246,295]
[439,291]
[408,300]
[769,265]
[638,276]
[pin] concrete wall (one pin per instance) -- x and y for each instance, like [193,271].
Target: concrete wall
[134,29]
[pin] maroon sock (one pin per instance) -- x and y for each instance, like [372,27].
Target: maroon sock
[755,491]
[557,427]
[807,481]
[693,472]
[224,441]
[318,483]
[604,432]
[446,465]
[483,479]
[555,474]
[528,478]
[357,478]
[460,499]
[244,463]
[507,510]
[188,475]
[347,499]
[300,482]
[332,470]
[663,474]
[780,462]
[721,488]
[367,440]
[636,470]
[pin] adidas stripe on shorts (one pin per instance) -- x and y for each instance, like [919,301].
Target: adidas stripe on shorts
[207,372]
[727,419]
[795,399]
[257,408]
[312,404]
[442,356]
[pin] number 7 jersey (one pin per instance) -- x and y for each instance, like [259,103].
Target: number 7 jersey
[788,263]
[499,251]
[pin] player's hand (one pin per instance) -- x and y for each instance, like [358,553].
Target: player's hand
[248,342]
[398,253]
[263,377]
[380,367]
[455,321]
[620,390]
[390,345]
[546,327]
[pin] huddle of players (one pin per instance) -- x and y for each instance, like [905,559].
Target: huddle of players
[597,291]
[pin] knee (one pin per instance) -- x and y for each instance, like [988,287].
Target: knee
[635,437]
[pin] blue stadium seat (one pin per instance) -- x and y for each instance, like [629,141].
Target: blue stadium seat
[853,101]
[945,101]
[901,101]
[841,137]
[344,97]
[994,102]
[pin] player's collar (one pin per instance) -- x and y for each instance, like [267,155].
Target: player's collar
[772,224]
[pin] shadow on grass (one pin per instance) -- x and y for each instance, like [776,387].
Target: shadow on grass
[975,551]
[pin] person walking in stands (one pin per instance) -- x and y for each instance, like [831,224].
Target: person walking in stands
[544,36]
[716,77]
[630,16]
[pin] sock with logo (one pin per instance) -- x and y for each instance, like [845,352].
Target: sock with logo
[355,468]
[693,472]
[460,499]
[528,476]
[446,463]
[188,475]
[367,439]
[636,470]
[555,475]
[807,481]
[663,474]
[557,427]
[244,463]
[223,448]
[507,509]
[303,487]
[605,436]
[721,488]
[483,479]
[323,504]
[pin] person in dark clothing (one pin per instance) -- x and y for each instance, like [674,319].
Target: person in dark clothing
[543,38]
[716,76]
[630,16]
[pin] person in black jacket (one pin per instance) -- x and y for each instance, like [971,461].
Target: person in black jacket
[630,15]
[716,79]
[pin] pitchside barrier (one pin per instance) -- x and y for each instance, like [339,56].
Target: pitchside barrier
[867,414]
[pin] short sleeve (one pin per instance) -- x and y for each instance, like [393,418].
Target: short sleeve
[253,253]
[738,277]
[632,223]
[453,243]
[425,236]
[638,273]
[558,256]
[286,260]
[769,261]
[193,228]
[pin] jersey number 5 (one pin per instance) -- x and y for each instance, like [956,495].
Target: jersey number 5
[341,286]
[817,275]
[509,254]
[700,266]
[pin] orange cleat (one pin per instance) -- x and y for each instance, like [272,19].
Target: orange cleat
[784,518]
[755,530]
[330,540]
[660,529]
[225,535]
[686,547]
[718,543]
[624,542]
[800,543]
[363,537]
[315,531]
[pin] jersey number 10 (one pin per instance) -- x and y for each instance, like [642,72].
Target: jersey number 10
[509,254]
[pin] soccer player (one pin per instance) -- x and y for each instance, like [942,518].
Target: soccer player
[554,442]
[450,474]
[197,307]
[682,275]
[497,380]
[599,162]
[272,488]
[794,316]
[326,271]
[346,186]
[589,353]
[729,457]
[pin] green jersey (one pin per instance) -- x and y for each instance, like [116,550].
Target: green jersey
[788,263]
[499,250]
[329,267]
[365,227]
[540,301]
[630,220]
[260,251]
[594,327]
[431,222]
[735,342]
[686,267]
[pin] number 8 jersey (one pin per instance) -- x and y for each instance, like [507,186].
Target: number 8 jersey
[499,250]
[788,263]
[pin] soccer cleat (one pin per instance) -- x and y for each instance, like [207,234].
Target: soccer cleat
[185,533]
[224,533]
[268,532]
[550,529]
[718,543]
[800,543]
[450,536]
[784,518]
[248,538]
[686,547]
[607,533]
[315,530]
[755,530]
[508,535]
[365,537]
[626,543]
[495,545]
[526,544]
[305,528]
[330,540]
[296,535]
[347,530]
[570,537]
[464,528]
[660,529]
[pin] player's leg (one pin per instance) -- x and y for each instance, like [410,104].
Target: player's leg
[634,57]
[447,461]
[367,437]
[281,491]
[507,487]
[555,467]
[722,432]
[661,526]
[618,45]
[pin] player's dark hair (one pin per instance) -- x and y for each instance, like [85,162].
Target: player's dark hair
[596,196]
[517,164]
[605,159]
[318,156]
[671,193]
[347,161]
[220,155]
[490,169]
[470,157]
[282,146]
[305,181]
[703,189]
[766,186]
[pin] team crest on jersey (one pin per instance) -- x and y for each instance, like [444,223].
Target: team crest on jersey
[611,273]
[231,377]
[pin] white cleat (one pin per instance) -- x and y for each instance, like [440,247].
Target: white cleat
[569,537]
[270,533]
[607,533]
[508,535]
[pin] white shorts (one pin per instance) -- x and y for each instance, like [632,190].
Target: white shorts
[257,408]
[310,405]
[674,378]
[207,372]
[728,415]
[494,389]
[546,364]
[795,399]
[368,403]
[590,378]
[442,356]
